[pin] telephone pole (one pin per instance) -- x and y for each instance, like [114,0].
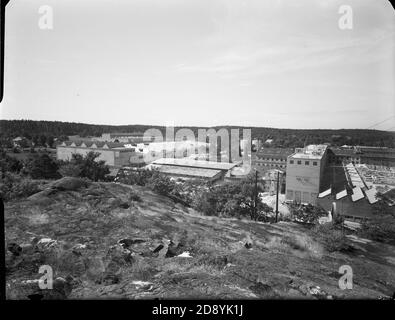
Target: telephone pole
[277,189]
[256,195]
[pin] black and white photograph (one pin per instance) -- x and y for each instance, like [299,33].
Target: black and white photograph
[198,150]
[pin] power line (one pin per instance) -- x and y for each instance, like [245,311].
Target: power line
[376,124]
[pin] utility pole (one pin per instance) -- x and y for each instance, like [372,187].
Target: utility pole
[256,195]
[277,189]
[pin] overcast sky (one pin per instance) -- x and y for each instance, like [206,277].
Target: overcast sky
[275,63]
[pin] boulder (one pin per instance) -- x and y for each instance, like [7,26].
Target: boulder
[69,184]
[14,248]
[126,243]
[263,290]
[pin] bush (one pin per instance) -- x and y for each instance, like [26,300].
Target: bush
[13,186]
[70,170]
[135,197]
[9,164]
[138,177]
[206,203]
[162,184]
[332,237]
[85,167]
[43,167]
[380,228]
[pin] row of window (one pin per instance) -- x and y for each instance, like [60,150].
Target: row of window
[300,196]
[306,163]
[272,159]
[271,165]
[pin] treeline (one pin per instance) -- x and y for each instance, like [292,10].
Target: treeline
[287,138]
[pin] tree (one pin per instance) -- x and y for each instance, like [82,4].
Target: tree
[233,199]
[50,141]
[88,167]
[162,185]
[9,164]
[35,140]
[70,170]
[42,167]
[42,140]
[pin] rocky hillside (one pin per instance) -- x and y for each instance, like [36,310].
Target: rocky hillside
[106,240]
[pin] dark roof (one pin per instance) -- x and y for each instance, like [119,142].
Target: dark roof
[115,144]
[275,152]
[343,152]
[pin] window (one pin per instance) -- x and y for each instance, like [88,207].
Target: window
[314,163]
[291,161]
[306,163]
[299,162]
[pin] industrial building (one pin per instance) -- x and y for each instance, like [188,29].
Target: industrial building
[270,158]
[193,169]
[338,156]
[305,168]
[379,156]
[353,196]
[114,154]
[134,137]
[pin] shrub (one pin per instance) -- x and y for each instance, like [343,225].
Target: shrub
[380,228]
[9,164]
[135,197]
[293,242]
[13,186]
[91,168]
[43,167]
[139,177]
[332,237]
[162,184]
[70,170]
[206,203]
[85,167]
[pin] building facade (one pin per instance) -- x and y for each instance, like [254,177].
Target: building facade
[270,158]
[134,137]
[114,154]
[305,168]
[193,169]
[362,154]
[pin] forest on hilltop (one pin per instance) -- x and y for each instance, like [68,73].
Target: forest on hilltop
[281,137]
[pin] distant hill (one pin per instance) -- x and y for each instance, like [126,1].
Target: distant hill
[281,137]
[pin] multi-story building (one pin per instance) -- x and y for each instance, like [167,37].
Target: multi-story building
[305,168]
[270,158]
[377,156]
[362,154]
[338,156]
